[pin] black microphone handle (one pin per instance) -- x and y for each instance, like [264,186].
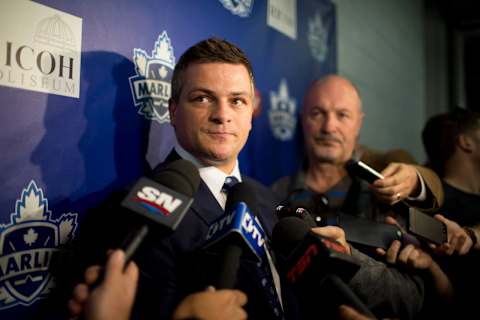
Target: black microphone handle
[130,246]
[229,265]
[337,286]
[135,238]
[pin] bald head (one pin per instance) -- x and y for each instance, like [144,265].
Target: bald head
[333,83]
[331,119]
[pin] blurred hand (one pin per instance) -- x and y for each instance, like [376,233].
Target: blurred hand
[400,181]
[348,313]
[409,255]
[212,305]
[113,298]
[457,238]
[334,233]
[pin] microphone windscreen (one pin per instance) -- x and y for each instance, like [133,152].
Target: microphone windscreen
[288,233]
[180,175]
[240,193]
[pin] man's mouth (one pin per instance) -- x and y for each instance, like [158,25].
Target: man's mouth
[327,141]
[219,133]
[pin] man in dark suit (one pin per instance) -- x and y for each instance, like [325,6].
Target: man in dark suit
[211,111]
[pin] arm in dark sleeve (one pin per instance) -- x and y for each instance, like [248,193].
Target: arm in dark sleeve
[387,292]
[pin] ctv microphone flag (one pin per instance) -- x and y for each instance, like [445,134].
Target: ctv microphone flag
[239,223]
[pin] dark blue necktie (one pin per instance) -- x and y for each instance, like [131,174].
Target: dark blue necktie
[230,181]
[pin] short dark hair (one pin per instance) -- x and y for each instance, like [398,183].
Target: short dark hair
[206,51]
[441,132]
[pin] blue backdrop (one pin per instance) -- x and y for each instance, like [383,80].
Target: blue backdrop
[62,155]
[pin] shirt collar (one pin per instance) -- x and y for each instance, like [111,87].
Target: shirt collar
[213,177]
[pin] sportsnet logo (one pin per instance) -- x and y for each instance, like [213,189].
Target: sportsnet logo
[27,247]
[156,201]
[151,87]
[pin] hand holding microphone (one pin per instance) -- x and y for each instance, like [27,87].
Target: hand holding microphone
[113,298]
[162,203]
[316,267]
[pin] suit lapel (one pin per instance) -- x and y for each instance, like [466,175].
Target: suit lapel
[205,204]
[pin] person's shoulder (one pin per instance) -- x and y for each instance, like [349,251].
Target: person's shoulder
[257,185]
[281,186]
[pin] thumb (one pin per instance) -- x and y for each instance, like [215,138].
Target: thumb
[440,217]
[114,265]
[330,232]
[240,297]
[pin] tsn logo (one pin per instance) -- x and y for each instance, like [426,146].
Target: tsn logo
[302,264]
[155,200]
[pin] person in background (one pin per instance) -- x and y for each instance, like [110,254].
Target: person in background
[452,144]
[331,120]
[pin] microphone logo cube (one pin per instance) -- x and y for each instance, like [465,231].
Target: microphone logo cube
[240,224]
[157,202]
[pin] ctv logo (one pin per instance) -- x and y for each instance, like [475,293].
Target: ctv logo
[156,201]
[241,221]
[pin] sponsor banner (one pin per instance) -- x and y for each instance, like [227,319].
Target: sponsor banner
[40,48]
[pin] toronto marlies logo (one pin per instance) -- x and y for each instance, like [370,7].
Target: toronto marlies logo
[28,243]
[151,87]
[318,38]
[241,8]
[282,113]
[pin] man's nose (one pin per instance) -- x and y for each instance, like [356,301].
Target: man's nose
[329,123]
[221,112]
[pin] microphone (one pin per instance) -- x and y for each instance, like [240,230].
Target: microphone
[283,211]
[236,234]
[315,204]
[298,248]
[316,267]
[162,201]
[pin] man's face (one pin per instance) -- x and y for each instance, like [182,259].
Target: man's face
[331,120]
[213,116]
[472,144]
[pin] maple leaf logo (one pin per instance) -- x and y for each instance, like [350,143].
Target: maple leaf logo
[30,237]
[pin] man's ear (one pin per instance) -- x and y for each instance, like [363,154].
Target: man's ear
[465,142]
[172,110]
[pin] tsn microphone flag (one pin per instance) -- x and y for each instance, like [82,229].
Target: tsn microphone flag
[157,202]
[241,223]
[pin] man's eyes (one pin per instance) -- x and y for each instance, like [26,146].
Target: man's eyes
[239,102]
[201,99]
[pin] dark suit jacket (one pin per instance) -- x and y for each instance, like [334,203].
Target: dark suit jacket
[175,266]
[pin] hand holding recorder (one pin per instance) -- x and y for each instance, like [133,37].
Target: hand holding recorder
[395,183]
